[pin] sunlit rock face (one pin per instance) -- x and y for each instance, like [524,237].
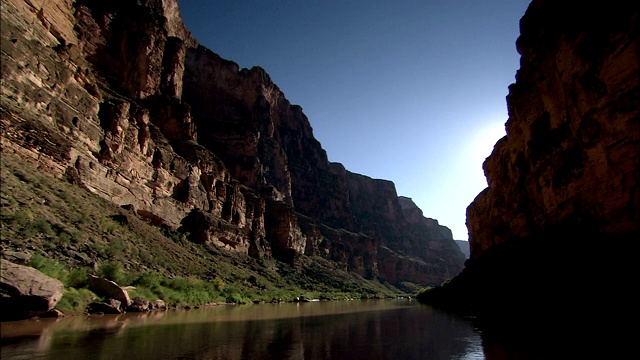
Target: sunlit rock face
[571,154]
[554,237]
[118,97]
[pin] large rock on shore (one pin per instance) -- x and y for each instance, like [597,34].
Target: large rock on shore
[26,292]
[139,304]
[109,289]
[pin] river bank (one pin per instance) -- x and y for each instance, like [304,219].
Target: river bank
[68,233]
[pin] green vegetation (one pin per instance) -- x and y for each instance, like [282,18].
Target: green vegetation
[75,301]
[48,267]
[71,233]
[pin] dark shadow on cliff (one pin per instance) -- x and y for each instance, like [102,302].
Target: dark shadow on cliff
[561,289]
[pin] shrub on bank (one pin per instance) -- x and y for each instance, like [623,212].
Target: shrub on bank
[186,290]
[75,301]
[52,268]
[180,291]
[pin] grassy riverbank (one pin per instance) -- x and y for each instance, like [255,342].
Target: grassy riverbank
[70,233]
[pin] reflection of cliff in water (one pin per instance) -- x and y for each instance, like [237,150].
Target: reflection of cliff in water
[326,330]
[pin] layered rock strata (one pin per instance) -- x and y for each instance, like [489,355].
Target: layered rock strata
[119,98]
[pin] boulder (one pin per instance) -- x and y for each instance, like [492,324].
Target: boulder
[26,292]
[109,289]
[159,304]
[138,304]
[112,306]
[53,313]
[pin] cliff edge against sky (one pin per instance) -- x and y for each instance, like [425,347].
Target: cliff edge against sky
[120,99]
[554,237]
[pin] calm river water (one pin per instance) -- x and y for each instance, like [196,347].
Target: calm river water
[370,329]
[381,329]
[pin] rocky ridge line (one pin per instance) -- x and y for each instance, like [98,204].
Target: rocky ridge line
[119,98]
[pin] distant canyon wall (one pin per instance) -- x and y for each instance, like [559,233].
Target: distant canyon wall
[118,97]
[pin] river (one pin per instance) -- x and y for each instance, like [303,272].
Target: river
[367,329]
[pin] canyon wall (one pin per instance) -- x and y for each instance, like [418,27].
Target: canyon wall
[119,98]
[571,152]
[554,237]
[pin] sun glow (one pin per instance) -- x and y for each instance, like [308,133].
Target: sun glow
[479,146]
[483,142]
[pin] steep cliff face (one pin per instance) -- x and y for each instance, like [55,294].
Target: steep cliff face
[554,236]
[404,233]
[268,145]
[119,98]
[88,103]
[572,149]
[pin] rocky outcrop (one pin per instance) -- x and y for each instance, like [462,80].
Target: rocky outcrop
[16,257]
[158,304]
[26,292]
[554,237]
[139,304]
[53,313]
[111,306]
[108,289]
[119,98]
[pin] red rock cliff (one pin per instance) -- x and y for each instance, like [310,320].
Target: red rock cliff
[119,98]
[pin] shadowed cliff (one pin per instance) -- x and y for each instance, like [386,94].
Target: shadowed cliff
[554,237]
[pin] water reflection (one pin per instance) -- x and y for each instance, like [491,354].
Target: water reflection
[325,330]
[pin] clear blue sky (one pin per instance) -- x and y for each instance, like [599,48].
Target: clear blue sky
[408,91]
